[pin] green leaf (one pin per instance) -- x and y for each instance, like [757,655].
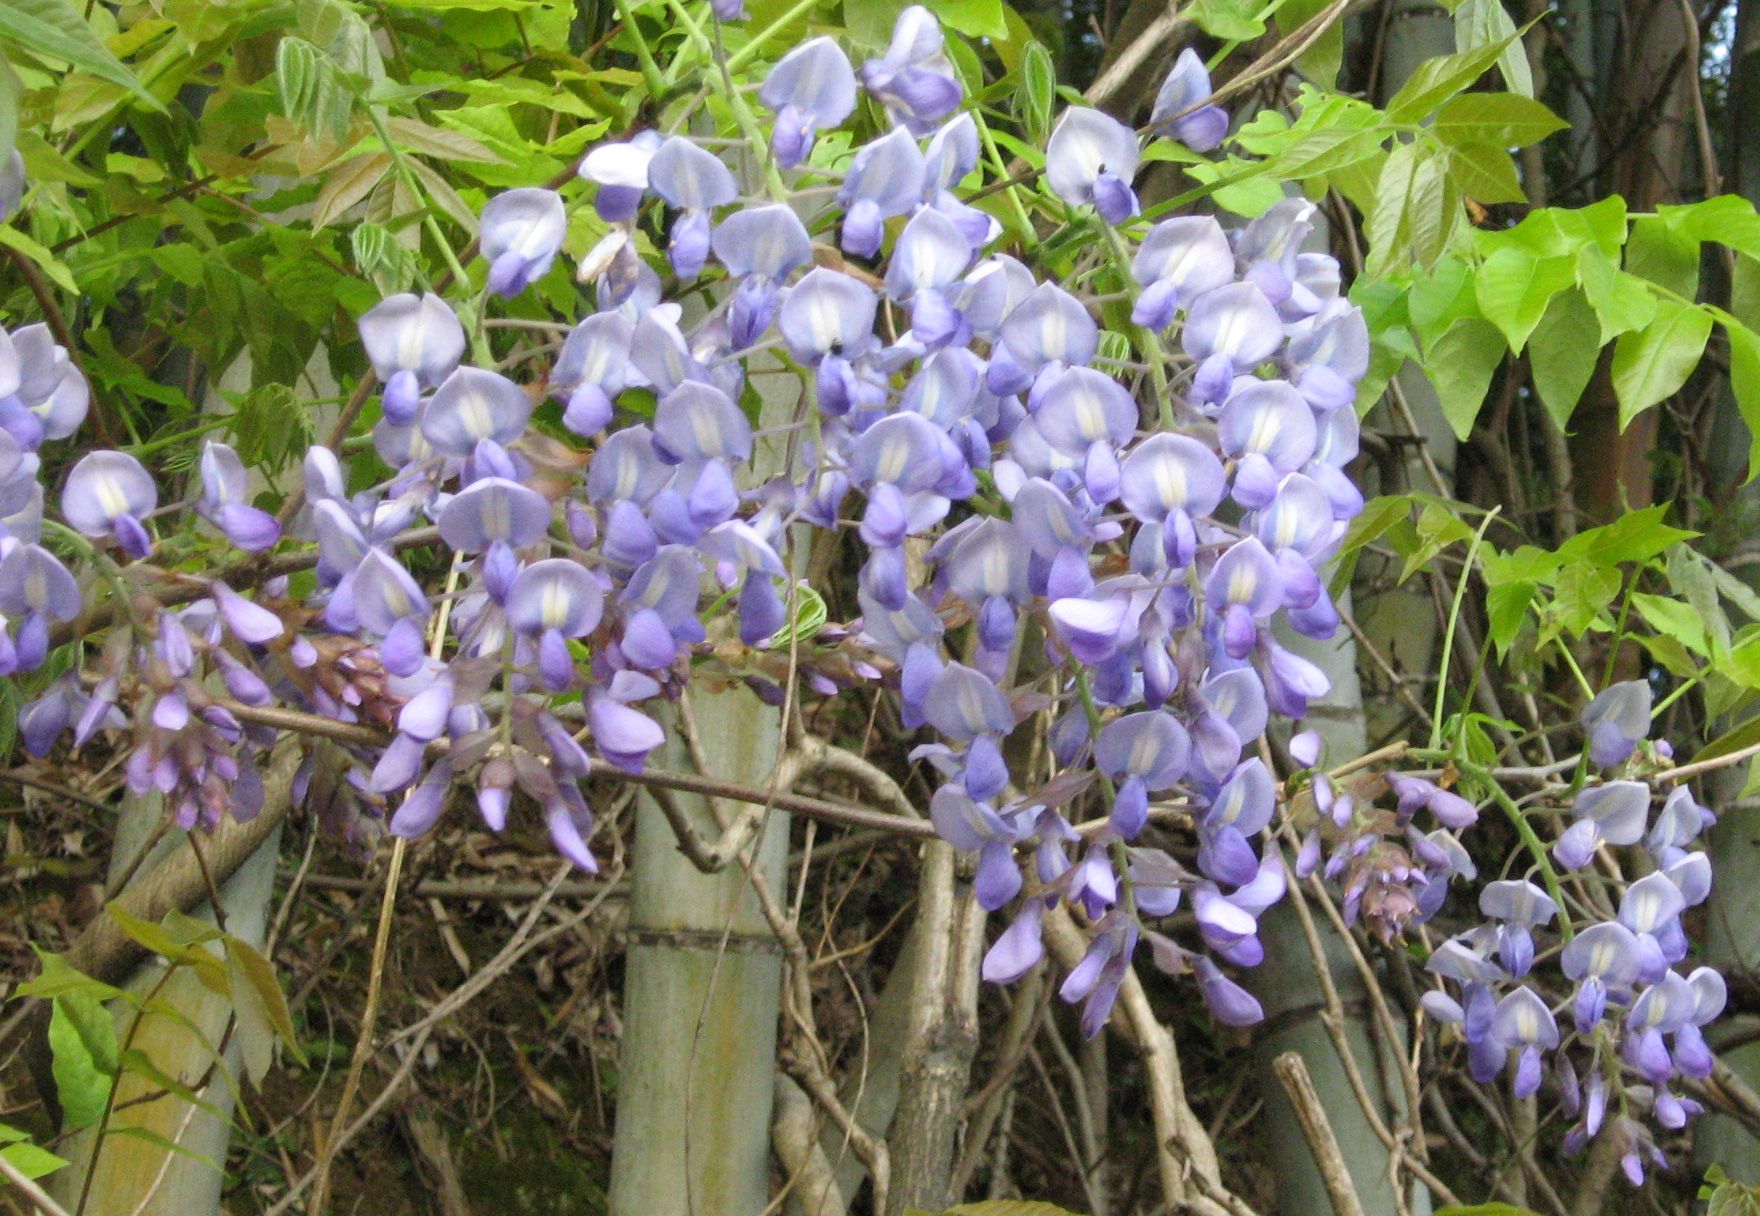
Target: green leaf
[1231,20]
[310,87]
[1697,578]
[1636,536]
[55,29]
[1670,655]
[347,184]
[473,6]
[1417,208]
[1503,119]
[11,90]
[1622,301]
[1324,151]
[1727,219]
[1528,564]
[1744,291]
[1513,288]
[1744,381]
[1482,22]
[1439,526]
[1485,172]
[1560,355]
[1440,298]
[1673,618]
[1321,61]
[1506,607]
[255,1034]
[974,18]
[1485,1209]
[1369,526]
[44,259]
[1666,254]
[1652,364]
[1438,79]
[249,965]
[1734,1199]
[1460,364]
[1584,592]
[31,1161]
[870,22]
[58,978]
[1249,194]
[1738,668]
[82,1057]
[1734,740]
[1435,210]
[166,940]
[1008,1207]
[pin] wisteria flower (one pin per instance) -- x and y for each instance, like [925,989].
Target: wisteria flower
[1616,721]
[1180,111]
[224,483]
[694,181]
[621,172]
[811,89]
[107,494]
[1092,158]
[414,342]
[520,234]
[915,80]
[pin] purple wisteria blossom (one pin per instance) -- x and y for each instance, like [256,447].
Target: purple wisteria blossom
[224,485]
[1091,159]
[811,89]
[522,231]
[1616,721]
[695,182]
[414,343]
[107,495]
[915,80]
[1181,111]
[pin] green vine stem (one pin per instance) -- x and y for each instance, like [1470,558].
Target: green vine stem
[1454,616]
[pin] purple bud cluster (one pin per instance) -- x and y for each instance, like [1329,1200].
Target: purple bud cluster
[1622,1017]
[1393,868]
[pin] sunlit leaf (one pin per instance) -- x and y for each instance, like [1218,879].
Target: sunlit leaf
[1652,364]
[55,29]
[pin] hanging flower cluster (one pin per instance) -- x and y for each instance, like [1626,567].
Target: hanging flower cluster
[1040,539]
[1633,1021]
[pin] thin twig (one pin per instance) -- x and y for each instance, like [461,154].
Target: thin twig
[36,1194]
[690,783]
[1292,1074]
[518,946]
[331,1145]
[15,777]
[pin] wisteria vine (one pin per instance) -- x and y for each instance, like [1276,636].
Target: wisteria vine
[1051,529]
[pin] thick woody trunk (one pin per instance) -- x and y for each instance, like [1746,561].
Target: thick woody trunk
[1731,943]
[941,1037]
[1648,105]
